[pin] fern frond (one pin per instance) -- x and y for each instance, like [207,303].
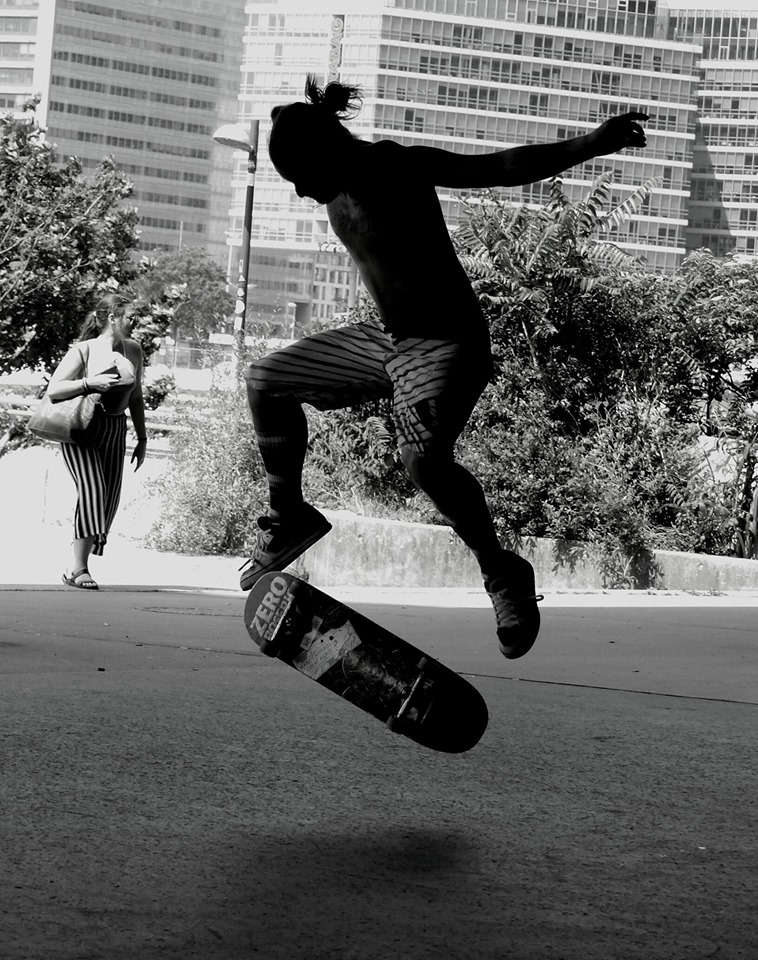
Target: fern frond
[633,203]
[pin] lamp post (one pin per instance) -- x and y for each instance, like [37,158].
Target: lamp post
[236,135]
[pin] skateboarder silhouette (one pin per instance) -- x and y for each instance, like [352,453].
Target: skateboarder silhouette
[430,352]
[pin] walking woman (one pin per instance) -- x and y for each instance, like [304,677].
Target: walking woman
[104,361]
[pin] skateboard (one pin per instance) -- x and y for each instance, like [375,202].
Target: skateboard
[344,651]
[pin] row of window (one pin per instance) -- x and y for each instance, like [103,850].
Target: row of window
[508,42]
[474,126]
[730,166]
[133,93]
[283,263]
[117,40]
[138,170]
[164,73]
[482,99]
[554,77]
[659,206]
[741,107]
[125,143]
[172,199]
[734,79]
[697,27]
[724,218]
[186,176]
[18,25]
[564,12]
[730,135]
[721,244]
[726,191]
[162,223]
[511,40]
[138,119]
[469,66]
[16,76]
[136,16]
[17,51]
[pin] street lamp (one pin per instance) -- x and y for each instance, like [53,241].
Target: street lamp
[236,135]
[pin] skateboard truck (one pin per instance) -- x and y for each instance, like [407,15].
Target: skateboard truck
[400,720]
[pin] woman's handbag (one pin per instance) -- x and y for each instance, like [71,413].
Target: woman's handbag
[65,421]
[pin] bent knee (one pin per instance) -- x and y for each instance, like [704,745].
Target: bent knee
[258,375]
[424,464]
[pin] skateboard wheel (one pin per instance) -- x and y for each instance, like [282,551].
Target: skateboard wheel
[424,663]
[395,724]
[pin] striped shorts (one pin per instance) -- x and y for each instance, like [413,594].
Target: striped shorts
[434,384]
[97,468]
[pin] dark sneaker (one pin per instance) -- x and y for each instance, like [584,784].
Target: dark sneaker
[280,543]
[515,602]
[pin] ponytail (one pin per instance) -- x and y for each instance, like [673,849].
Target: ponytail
[321,115]
[340,100]
[112,304]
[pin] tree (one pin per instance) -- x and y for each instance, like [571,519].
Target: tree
[64,237]
[553,286]
[206,303]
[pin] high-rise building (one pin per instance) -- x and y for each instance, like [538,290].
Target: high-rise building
[146,81]
[723,212]
[470,75]
[22,40]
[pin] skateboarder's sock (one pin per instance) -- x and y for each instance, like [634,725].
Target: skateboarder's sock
[283,458]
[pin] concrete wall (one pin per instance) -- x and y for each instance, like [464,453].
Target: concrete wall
[35,488]
[368,552]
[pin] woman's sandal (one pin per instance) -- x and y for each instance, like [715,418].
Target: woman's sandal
[80,578]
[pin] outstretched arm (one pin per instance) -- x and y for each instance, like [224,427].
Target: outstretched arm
[519,165]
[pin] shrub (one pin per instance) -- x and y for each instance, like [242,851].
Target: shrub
[215,484]
[158,382]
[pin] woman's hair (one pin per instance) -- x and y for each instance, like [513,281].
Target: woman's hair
[322,114]
[112,305]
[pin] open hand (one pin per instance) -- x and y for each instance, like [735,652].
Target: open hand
[618,133]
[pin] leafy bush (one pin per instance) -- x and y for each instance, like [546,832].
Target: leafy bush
[607,378]
[214,486]
[158,382]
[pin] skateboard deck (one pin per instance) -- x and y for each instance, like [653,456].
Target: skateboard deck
[364,663]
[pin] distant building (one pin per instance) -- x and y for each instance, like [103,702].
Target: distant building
[472,75]
[147,81]
[723,212]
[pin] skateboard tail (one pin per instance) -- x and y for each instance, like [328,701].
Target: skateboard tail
[364,664]
[453,725]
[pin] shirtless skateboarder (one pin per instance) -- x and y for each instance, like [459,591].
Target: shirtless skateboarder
[431,351]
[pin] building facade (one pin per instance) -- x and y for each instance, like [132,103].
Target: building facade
[474,75]
[723,212]
[147,82]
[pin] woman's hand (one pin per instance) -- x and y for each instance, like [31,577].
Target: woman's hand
[139,453]
[102,382]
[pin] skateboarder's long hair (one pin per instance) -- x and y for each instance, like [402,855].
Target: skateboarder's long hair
[320,117]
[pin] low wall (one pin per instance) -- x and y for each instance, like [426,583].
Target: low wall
[35,487]
[363,551]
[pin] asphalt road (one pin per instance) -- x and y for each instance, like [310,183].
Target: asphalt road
[166,792]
